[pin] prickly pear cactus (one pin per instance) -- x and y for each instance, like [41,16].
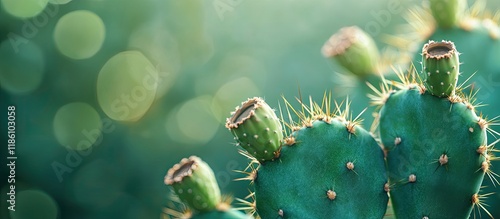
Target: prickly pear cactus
[194,184]
[476,33]
[328,166]
[436,145]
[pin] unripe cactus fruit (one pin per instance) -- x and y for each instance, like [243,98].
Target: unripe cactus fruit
[257,129]
[436,144]
[441,68]
[447,13]
[195,184]
[354,50]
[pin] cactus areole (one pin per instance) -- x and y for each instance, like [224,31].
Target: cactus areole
[257,129]
[440,67]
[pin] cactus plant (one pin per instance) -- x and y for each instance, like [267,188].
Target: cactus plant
[328,167]
[436,145]
[476,32]
[194,183]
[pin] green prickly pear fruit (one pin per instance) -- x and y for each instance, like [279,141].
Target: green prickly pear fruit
[447,13]
[436,145]
[257,129]
[441,68]
[329,167]
[354,50]
[194,183]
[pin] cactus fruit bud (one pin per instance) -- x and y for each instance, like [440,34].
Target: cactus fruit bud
[354,50]
[447,13]
[195,184]
[257,129]
[440,68]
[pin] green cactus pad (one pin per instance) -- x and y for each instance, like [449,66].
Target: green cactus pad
[354,50]
[447,13]
[195,184]
[440,68]
[434,160]
[257,129]
[330,168]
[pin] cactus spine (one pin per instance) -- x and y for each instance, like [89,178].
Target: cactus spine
[329,167]
[194,183]
[436,145]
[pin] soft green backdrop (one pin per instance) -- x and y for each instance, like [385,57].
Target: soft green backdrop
[75,69]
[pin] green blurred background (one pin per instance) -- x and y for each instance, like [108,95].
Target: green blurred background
[109,94]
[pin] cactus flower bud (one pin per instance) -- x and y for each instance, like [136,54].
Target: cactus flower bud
[354,50]
[257,129]
[440,67]
[195,184]
[447,13]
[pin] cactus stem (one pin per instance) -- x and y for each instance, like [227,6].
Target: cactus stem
[412,178]
[331,194]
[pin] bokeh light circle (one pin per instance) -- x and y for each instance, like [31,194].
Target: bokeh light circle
[126,86]
[24,8]
[77,126]
[226,98]
[163,51]
[193,121]
[21,66]
[79,34]
[34,204]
